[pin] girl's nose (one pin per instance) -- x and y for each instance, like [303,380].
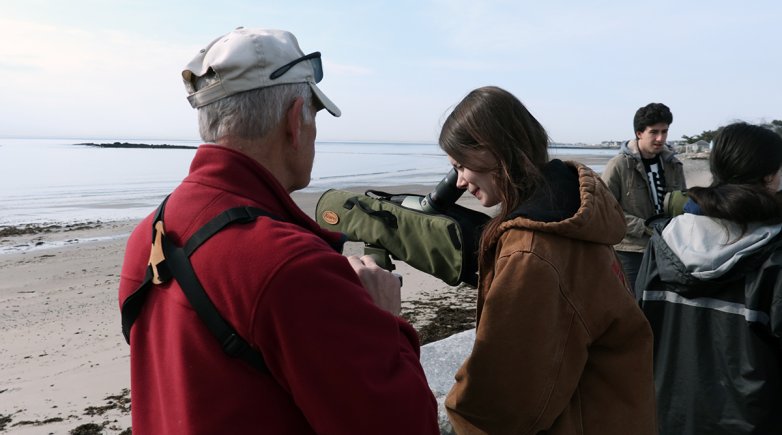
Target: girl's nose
[461,183]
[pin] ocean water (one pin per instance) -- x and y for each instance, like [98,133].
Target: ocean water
[55,181]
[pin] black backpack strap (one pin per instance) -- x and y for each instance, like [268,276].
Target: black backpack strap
[233,345]
[131,306]
[177,263]
[232,215]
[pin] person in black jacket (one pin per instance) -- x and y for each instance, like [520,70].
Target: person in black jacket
[711,286]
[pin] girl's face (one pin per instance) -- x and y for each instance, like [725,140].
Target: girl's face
[480,183]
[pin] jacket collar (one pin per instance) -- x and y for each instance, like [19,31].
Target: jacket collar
[235,172]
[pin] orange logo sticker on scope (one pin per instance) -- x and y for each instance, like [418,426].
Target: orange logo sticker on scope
[330,217]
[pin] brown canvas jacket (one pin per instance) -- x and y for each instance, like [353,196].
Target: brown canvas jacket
[625,176]
[561,345]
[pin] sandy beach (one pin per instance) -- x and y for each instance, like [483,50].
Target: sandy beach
[64,362]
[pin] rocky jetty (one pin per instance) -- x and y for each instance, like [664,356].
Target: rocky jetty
[136,145]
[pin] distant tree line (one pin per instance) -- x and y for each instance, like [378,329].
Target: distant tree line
[708,135]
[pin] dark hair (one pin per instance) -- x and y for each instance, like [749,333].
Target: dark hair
[491,118]
[652,113]
[742,157]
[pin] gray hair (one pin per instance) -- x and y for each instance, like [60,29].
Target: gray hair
[251,114]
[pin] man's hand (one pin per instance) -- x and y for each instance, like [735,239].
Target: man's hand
[382,285]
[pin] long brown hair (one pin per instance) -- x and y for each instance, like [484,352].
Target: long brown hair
[742,157]
[492,119]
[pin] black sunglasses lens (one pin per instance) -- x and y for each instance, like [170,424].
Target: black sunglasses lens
[317,66]
[314,59]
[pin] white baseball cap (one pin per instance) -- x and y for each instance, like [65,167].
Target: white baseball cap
[246,59]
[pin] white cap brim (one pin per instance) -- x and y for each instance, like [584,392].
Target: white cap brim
[324,100]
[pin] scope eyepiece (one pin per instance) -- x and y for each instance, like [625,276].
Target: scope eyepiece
[444,194]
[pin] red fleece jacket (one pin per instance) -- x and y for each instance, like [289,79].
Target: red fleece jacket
[339,364]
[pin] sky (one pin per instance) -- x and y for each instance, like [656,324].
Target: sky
[112,68]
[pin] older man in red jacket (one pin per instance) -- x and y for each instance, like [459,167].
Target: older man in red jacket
[337,358]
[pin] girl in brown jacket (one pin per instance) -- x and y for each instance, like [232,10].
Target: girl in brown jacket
[561,346]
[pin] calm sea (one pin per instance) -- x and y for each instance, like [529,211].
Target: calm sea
[54,180]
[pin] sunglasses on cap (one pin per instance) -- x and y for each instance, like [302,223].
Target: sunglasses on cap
[314,59]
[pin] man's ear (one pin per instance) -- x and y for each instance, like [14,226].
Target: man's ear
[293,121]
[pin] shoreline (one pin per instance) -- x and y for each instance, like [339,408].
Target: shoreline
[696,168]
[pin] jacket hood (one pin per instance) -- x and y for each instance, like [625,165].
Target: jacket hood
[576,204]
[710,248]
[630,148]
[559,201]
